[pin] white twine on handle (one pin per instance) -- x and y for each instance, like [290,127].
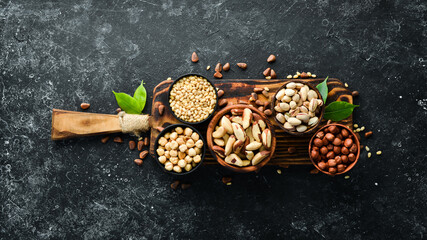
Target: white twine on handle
[133,123]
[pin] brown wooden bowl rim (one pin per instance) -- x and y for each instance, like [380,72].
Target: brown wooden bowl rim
[215,121]
[349,167]
[310,130]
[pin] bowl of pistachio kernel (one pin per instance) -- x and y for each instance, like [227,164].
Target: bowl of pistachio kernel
[193,99]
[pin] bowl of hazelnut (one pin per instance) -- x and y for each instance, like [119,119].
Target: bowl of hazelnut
[334,149]
[241,138]
[298,107]
[192,99]
[180,149]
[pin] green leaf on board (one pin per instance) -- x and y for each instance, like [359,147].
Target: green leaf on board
[128,103]
[323,89]
[141,95]
[337,111]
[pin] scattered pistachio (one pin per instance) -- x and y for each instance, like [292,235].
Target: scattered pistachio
[379,152]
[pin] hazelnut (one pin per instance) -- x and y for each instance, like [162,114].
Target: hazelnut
[344,158]
[330,155]
[330,147]
[344,150]
[332,163]
[351,157]
[333,129]
[332,170]
[344,133]
[330,137]
[322,165]
[353,148]
[337,150]
[340,168]
[317,142]
[348,142]
[320,135]
[337,142]
[325,141]
[338,160]
[323,150]
[314,154]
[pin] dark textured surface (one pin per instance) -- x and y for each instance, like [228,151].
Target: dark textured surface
[59,54]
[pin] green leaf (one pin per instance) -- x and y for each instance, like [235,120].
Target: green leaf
[128,103]
[141,95]
[337,111]
[323,89]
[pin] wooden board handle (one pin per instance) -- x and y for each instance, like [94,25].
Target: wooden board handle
[69,124]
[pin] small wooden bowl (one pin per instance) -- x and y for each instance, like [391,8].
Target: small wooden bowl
[355,139]
[168,129]
[309,130]
[210,115]
[211,128]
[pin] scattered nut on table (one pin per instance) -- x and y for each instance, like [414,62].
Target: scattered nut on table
[246,138]
[192,98]
[180,150]
[297,107]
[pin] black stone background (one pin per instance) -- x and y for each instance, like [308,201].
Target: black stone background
[57,54]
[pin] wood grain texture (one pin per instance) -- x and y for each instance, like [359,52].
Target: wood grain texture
[240,89]
[69,124]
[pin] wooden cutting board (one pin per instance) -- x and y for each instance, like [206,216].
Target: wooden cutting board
[241,89]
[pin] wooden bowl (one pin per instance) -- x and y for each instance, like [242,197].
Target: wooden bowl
[355,139]
[216,94]
[168,129]
[211,128]
[322,110]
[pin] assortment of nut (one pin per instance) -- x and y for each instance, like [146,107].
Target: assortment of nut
[297,107]
[334,149]
[192,98]
[242,138]
[180,149]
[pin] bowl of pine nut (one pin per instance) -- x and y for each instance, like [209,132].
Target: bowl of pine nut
[192,99]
